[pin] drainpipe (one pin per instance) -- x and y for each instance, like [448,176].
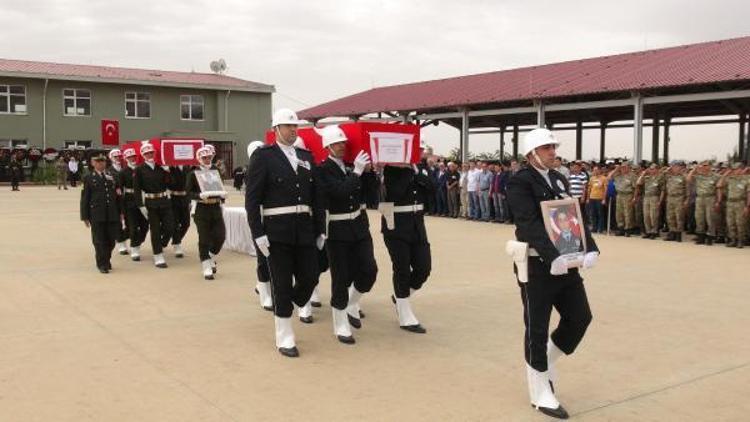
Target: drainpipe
[44,115]
[226,111]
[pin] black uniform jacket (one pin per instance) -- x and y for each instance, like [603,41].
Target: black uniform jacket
[125,181]
[147,180]
[343,193]
[178,178]
[403,187]
[272,182]
[526,190]
[99,202]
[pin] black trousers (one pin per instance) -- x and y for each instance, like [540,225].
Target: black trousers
[136,224]
[103,236]
[543,292]
[350,262]
[211,229]
[261,268]
[412,263]
[294,275]
[161,223]
[14,182]
[181,211]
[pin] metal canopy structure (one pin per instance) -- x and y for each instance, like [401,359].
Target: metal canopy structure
[654,88]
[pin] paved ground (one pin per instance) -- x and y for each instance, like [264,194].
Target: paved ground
[669,339]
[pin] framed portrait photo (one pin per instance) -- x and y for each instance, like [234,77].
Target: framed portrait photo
[565,227]
[209,180]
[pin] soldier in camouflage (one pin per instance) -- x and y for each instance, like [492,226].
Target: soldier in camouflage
[676,195]
[736,186]
[707,204]
[625,186]
[651,186]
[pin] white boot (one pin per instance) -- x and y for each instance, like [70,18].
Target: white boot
[540,394]
[406,318]
[315,298]
[212,257]
[159,261]
[122,249]
[341,327]
[353,310]
[264,294]
[208,274]
[285,337]
[305,313]
[553,354]
[135,253]
[178,252]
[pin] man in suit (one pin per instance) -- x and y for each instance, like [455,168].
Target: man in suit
[286,222]
[150,186]
[349,243]
[550,284]
[441,183]
[100,211]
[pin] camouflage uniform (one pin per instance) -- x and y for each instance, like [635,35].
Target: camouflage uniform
[652,188]
[677,193]
[625,186]
[705,203]
[737,188]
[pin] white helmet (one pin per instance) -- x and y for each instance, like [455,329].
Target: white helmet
[252,146]
[203,152]
[129,152]
[115,153]
[147,147]
[285,116]
[210,148]
[536,138]
[331,135]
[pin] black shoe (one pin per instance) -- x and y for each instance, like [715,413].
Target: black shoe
[646,236]
[103,270]
[354,322]
[306,320]
[162,265]
[620,233]
[730,243]
[268,308]
[709,240]
[678,237]
[720,239]
[124,253]
[701,239]
[670,237]
[208,277]
[346,340]
[559,413]
[135,258]
[627,232]
[316,304]
[418,329]
[290,352]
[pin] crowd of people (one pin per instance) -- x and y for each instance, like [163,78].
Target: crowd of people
[706,199]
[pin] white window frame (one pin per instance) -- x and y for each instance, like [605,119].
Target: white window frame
[6,96]
[75,102]
[190,104]
[136,101]
[77,143]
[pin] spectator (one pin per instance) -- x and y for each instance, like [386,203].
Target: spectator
[454,190]
[441,193]
[473,188]
[596,200]
[61,170]
[464,187]
[496,194]
[73,171]
[485,180]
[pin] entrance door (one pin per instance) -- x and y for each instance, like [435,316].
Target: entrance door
[224,153]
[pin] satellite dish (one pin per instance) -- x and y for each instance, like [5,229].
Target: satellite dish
[218,66]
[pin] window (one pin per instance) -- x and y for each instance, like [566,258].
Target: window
[13,143]
[76,102]
[138,105]
[77,144]
[12,99]
[191,107]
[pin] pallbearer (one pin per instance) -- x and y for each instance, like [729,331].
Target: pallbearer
[205,187]
[115,157]
[135,220]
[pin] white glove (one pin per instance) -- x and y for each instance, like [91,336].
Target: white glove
[362,160]
[264,245]
[590,259]
[559,266]
[204,195]
[415,168]
[144,211]
[320,242]
[424,171]
[165,168]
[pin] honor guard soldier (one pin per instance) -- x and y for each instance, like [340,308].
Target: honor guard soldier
[150,190]
[100,210]
[263,285]
[407,188]
[180,206]
[286,223]
[135,221]
[348,240]
[543,274]
[115,157]
[208,215]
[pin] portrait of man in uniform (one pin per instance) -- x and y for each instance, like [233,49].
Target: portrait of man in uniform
[563,221]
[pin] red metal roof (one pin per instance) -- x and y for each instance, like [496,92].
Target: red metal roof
[695,64]
[30,69]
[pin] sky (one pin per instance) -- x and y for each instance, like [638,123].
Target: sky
[318,51]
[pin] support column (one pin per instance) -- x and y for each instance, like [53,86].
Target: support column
[667,121]
[579,139]
[502,142]
[540,120]
[464,147]
[655,141]
[637,128]
[741,144]
[602,141]
[515,140]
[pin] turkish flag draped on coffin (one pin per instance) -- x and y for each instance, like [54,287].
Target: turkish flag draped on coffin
[362,136]
[110,132]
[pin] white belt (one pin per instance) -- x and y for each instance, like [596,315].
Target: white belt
[347,216]
[292,209]
[129,190]
[408,208]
